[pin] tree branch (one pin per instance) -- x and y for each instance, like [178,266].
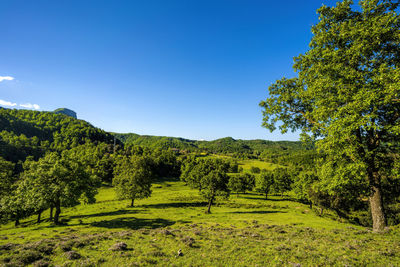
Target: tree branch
[311,121]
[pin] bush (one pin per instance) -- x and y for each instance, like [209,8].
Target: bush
[255,169]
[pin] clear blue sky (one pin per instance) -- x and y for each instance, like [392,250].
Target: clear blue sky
[195,69]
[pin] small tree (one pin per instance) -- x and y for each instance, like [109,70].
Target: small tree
[186,167]
[14,206]
[241,182]
[254,169]
[210,177]
[214,184]
[265,182]
[250,182]
[282,180]
[133,178]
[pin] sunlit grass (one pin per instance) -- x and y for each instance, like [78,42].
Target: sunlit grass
[247,164]
[245,230]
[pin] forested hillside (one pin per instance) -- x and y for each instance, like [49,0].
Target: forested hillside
[26,133]
[157,141]
[227,145]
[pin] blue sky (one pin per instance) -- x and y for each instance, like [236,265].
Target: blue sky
[195,69]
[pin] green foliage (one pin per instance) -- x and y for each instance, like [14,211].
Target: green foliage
[133,178]
[166,163]
[241,182]
[98,160]
[347,94]
[56,181]
[26,133]
[254,169]
[238,148]
[282,180]
[156,141]
[6,176]
[265,181]
[209,176]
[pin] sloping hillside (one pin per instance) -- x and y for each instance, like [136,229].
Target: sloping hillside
[29,133]
[224,145]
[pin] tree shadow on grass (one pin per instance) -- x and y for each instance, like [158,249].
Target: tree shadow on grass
[64,220]
[258,212]
[110,213]
[271,199]
[162,180]
[248,194]
[133,223]
[176,205]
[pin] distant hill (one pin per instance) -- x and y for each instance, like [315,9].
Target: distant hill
[66,111]
[31,133]
[224,145]
[157,141]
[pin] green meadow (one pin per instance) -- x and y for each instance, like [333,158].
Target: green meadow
[244,230]
[247,164]
[73,194]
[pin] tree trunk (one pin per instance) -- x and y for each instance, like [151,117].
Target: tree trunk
[310,205]
[376,201]
[57,213]
[209,206]
[16,222]
[133,200]
[266,195]
[321,211]
[51,213]
[38,218]
[377,210]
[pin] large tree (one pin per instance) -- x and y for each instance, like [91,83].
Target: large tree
[265,181]
[56,181]
[347,95]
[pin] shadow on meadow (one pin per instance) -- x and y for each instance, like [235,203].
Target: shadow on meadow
[65,220]
[133,223]
[111,213]
[176,205]
[271,199]
[258,212]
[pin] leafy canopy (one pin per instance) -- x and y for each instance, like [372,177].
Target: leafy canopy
[347,94]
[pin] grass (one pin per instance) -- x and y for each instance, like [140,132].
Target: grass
[247,164]
[245,230]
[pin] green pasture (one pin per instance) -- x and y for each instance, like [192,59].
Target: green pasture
[247,164]
[244,230]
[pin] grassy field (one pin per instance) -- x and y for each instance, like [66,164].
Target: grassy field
[245,230]
[248,163]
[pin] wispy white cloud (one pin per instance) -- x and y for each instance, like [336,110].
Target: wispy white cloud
[29,105]
[7,103]
[11,104]
[6,78]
